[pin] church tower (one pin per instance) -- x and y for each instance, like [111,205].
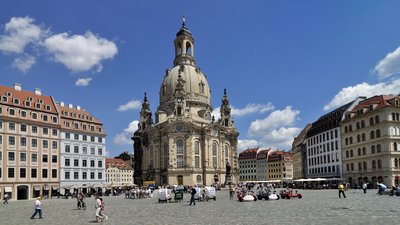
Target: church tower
[185,145]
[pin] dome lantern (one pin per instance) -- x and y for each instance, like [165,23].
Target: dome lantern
[184,46]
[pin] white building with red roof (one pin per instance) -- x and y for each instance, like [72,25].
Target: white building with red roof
[118,173]
[83,149]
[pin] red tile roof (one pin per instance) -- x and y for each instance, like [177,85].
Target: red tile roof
[38,103]
[71,115]
[119,163]
[248,154]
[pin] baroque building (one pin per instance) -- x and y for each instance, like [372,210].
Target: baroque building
[370,137]
[185,144]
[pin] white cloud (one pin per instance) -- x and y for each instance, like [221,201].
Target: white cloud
[250,108]
[245,144]
[20,31]
[350,93]
[82,82]
[131,105]
[389,65]
[277,130]
[124,138]
[24,63]
[80,52]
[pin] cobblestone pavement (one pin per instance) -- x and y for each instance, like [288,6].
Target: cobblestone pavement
[316,207]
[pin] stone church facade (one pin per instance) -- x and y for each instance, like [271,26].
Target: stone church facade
[185,144]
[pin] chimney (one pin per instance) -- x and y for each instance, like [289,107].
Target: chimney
[17,87]
[38,91]
[62,104]
[70,106]
[78,107]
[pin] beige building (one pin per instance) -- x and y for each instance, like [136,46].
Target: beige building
[370,137]
[248,164]
[280,166]
[185,144]
[29,143]
[118,172]
[299,155]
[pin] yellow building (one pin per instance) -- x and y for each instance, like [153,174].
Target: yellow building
[118,172]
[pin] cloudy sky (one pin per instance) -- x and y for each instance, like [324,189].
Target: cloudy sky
[284,63]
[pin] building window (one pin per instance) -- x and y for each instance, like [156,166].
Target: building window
[76,175]
[11,156]
[76,149]
[198,179]
[34,157]
[84,150]
[100,151]
[378,133]
[197,161]
[376,119]
[67,136]
[34,116]
[33,173]
[54,145]
[11,126]
[76,162]
[227,150]
[44,173]
[67,162]
[45,158]
[34,143]
[22,156]
[84,137]
[372,135]
[100,175]
[378,148]
[12,112]
[54,173]
[76,136]
[54,132]
[91,163]
[179,161]
[84,175]
[92,175]
[100,164]
[54,159]
[214,154]
[92,151]
[22,172]
[11,172]
[45,130]
[67,148]
[91,138]
[84,163]
[166,156]
[23,128]
[100,139]
[67,175]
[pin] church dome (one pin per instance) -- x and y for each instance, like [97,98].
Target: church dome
[195,87]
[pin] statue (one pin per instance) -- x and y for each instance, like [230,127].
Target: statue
[228,169]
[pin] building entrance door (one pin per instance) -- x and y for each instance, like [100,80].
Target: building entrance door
[180,179]
[22,192]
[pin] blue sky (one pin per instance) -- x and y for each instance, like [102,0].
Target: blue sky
[284,63]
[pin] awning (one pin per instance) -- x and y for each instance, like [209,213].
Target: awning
[54,187]
[7,189]
[397,177]
[36,188]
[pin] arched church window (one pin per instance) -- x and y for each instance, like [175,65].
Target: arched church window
[166,155]
[196,148]
[188,48]
[179,48]
[179,146]
[179,111]
[201,88]
[214,154]
[226,151]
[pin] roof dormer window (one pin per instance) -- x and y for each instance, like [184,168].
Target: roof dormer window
[30,99]
[4,99]
[48,108]
[16,101]
[37,105]
[9,94]
[40,100]
[27,104]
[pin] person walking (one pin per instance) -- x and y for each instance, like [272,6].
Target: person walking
[231,191]
[102,208]
[364,187]
[341,190]
[97,206]
[38,208]
[192,193]
[5,198]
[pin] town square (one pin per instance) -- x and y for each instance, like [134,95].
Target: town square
[184,112]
